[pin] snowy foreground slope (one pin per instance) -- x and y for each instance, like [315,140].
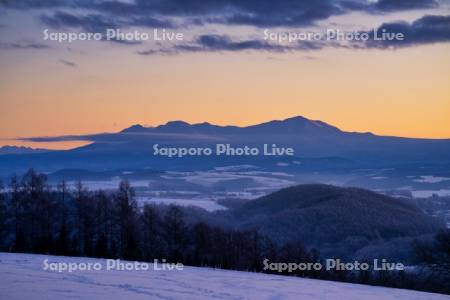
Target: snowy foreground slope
[22,277]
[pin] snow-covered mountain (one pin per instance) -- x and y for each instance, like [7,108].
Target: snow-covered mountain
[296,125]
[132,147]
[23,277]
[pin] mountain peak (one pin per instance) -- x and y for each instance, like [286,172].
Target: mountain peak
[135,128]
[204,124]
[296,118]
[296,125]
[177,123]
[301,119]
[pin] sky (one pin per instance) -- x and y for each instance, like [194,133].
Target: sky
[223,71]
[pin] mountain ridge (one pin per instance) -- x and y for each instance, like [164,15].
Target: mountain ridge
[133,148]
[291,124]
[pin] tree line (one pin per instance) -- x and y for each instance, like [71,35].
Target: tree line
[63,220]
[73,221]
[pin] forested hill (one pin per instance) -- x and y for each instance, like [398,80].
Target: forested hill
[322,215]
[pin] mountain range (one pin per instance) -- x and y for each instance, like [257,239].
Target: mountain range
[292,125]
[311,139]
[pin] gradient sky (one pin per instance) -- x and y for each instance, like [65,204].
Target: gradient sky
[49,88]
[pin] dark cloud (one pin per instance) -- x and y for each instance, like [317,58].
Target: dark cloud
[395,5]
[281,13]
[161,51]
[99,22]
[259,13]
[99,15]
[218,43]
[68,63]
[59,138]
[23,45]
[33,4]
[384,6]
[254,12]
[223,43]
[426,30]
[89,23]
[125,42]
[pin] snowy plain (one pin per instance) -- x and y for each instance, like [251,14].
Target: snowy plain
[22,276]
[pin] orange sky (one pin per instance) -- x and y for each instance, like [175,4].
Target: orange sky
[403,92]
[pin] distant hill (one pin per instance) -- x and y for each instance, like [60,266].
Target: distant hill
[334,219]
[20,150]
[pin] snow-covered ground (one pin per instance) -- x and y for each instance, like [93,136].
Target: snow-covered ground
[430,193]
[207,204]
[22,277]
